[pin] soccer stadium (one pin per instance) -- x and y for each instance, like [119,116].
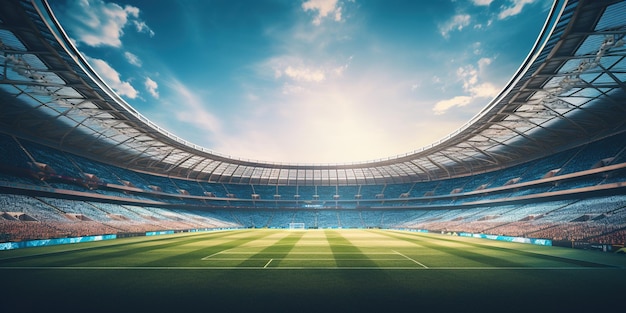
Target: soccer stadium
[522,208]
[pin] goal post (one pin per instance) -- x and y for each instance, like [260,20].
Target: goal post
[296,225]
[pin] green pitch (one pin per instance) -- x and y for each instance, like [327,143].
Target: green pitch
[309,270]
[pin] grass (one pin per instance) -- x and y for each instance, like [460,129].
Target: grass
[312,270]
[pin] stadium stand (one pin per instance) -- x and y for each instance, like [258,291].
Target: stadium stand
[510,171]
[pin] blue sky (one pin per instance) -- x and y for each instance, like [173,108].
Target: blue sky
[306,81]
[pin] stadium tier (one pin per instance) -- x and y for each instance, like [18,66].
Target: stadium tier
[545,159]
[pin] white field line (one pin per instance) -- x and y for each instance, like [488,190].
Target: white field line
[307,268]
[226,252]
[212,255]
[416,262]
[323,253]
[298,259]
[268,263]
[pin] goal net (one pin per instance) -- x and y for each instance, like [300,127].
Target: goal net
[296,225]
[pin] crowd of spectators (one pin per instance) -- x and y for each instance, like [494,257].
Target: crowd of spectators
[20,230]
[591,220]
[16,230]
[587,221]
[30,218]
[588,231]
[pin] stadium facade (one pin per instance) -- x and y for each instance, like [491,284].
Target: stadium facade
[546,158]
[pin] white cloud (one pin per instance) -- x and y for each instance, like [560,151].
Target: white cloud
[339,70]
[444,105]
[323,8]
[484,90]
[294,69]
[457,22]
[132,59]
[468,74]
[483,63]
[289,89]
[304,74]
[477,49]
[191,109]
[142,27]
[482,2]
[152,87]
[133,11]
[514,9]
[470,77]
[112,78]
[99,23]
[298,76]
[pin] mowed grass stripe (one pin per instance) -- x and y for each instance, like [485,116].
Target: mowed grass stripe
[185,253]
[372,244]
[312,250]
[279,250]
[196,256]
[457,249]
[123,254]
[339,245]
[322,249]
[531,254]
[80,255]
[467,246]
[540,258]
[47,251]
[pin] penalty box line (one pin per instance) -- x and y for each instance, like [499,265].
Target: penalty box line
[304,253]
[226,252]
[212,255]
[411,259]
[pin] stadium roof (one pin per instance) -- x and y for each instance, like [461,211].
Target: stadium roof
[570,90]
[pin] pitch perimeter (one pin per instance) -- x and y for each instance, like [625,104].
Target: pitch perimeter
[306,249]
